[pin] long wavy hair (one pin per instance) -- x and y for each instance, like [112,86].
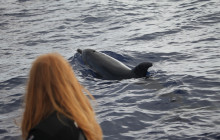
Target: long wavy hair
[52,86]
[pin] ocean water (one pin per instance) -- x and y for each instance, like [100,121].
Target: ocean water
[181,99]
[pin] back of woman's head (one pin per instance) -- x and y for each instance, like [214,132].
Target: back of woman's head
[52,86]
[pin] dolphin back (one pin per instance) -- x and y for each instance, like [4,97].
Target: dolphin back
[104,65]
[111,69]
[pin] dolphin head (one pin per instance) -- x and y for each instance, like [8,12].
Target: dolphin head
[141,69]
[89,56]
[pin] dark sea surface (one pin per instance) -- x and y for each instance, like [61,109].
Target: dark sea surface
[181,99]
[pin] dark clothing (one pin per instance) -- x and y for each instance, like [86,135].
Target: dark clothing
[56,127]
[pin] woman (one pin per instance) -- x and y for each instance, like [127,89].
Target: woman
[55,106]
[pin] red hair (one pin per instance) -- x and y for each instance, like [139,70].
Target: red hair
[52,86]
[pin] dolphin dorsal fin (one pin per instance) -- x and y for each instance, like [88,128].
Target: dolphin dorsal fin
[79,51]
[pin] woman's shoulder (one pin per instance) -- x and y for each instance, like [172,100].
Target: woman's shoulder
[55,126]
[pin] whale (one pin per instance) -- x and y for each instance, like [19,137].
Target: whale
[110,68]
